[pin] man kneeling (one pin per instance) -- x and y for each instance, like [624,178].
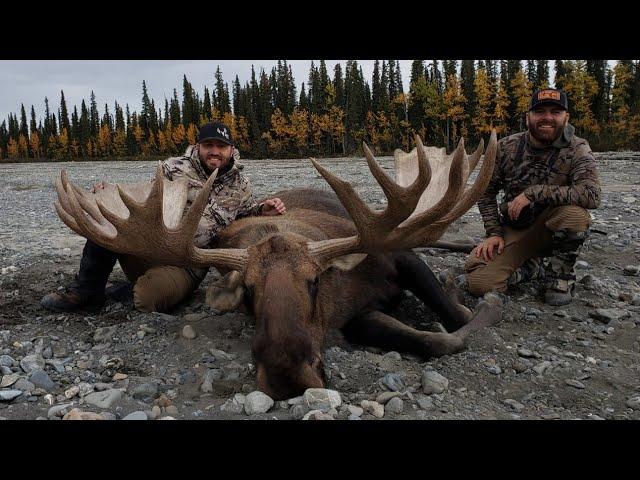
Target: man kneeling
[549,179]
[158,288]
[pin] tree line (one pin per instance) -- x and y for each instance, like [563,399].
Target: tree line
[334,112]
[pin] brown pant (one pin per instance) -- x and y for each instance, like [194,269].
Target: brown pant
[520,246]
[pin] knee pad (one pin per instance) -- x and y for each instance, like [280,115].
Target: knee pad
[570,218]
[566,241]
[161,288]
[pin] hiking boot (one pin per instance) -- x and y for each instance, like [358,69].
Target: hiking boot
[71,301]
[559,293]
[120,292]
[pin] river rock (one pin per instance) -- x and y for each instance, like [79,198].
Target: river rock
[257,402]
[433,382]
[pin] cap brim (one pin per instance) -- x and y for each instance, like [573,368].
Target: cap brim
[549,102]
[224,140]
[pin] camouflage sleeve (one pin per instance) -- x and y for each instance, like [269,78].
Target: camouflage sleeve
[248,207]
[584,190]
[488,205]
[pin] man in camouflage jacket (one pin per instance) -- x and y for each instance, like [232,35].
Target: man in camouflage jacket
[161,287]
[549,179]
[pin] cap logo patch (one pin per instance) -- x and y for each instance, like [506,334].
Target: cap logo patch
[549,95]
[223,132]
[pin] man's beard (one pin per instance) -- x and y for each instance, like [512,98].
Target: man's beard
[544,136]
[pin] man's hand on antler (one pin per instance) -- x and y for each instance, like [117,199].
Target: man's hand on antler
[272,207]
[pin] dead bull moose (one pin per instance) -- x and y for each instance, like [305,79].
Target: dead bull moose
[330,262]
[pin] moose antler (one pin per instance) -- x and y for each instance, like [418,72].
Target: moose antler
[395,228]
[144,221]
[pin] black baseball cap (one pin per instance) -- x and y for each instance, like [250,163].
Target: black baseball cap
[217,131]
[549,95]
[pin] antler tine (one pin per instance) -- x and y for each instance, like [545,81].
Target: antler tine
[88,229]
[423,179]
[66,217]
[152,205]
[401,201]
[475,157]
[192,218]
[360,213]
[62,193]
[471,196]
[448,200]
[86,204]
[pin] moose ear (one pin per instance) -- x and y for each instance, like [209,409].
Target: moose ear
[345,262]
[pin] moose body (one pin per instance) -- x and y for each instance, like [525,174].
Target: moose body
[295,302]
[330,262]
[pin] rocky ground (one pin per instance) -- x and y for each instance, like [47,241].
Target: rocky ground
[581,361]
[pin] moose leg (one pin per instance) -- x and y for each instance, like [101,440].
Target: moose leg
[380,330]
[414,275]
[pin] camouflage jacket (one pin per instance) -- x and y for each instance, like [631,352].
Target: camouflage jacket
[563,173]
[231,196]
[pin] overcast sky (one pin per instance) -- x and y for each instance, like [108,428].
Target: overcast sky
[28,82]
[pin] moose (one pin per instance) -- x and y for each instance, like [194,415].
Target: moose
[329,262]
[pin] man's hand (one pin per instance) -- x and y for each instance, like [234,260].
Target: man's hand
[272,207]
[485,248]
[98,186]
[516,205]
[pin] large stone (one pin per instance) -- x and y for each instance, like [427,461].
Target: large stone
[395,405]
[77,414]
[31,363]
[40,379]
[384,397]
[6,361]
[631,270]
[322,399]
[9,380]
[145,390]
[393,381]
[8,395]
[59,410]
[634,402]
[373,408]
[232,406]
[606,315]
[257,402]
[139,415]
[188,332]
[433,382]
[104,334]
[424,402]
[24,385]
[317,415]
[104,399]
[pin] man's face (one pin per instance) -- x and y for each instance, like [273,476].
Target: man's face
[214,154]
[546,122]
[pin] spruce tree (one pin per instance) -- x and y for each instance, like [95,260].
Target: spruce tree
[93,116]
[24,126]
[64,115]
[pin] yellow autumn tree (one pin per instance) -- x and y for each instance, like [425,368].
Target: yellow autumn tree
[620,100]
[521,93]
[35,145]
[299,129]
[104,141]
[453,114]
[192,134]
[120,143]
[500,112]
[482,121]
[12,149]
[179,137]
[581,88]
